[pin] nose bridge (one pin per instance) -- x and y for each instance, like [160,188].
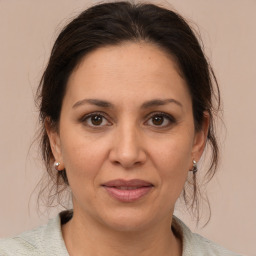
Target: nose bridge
[127,147]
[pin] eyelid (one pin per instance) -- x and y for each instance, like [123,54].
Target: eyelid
[87,116]
[170,118]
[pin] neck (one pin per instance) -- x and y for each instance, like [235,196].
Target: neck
[84,237]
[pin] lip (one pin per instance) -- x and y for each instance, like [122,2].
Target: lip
[127,190]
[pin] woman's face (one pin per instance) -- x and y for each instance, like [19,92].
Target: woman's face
[126,136]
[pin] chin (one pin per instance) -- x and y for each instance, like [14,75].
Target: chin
[128,221]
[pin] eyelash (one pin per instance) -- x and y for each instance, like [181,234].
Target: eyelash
[88,116]
[171,120]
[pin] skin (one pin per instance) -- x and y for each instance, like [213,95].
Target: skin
[129,142]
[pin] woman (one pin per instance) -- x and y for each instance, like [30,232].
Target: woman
[126,104]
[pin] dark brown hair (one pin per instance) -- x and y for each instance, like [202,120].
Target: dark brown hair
[115,23]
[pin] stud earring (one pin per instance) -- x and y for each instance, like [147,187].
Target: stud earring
[194,169]
[56,166]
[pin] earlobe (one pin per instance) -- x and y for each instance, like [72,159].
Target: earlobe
[201,138]
[54,139]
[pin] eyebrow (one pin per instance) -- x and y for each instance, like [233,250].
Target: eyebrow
[106,104]
[159,102]
[96,102]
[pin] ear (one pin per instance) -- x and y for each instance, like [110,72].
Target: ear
[55,143]
[201,138]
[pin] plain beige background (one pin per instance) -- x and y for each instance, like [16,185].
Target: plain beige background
[27,31]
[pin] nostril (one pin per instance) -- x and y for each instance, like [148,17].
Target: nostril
[127,164]
[116,163]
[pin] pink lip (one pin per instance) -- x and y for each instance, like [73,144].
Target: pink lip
[127,190]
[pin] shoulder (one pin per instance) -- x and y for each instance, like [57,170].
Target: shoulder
[205,247]
[194,244]
[44,240]
[27,243]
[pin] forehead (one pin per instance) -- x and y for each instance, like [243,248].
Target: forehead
[127,70]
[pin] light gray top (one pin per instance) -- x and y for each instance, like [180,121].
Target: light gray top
[48,241]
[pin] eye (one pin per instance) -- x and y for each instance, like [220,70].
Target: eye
[161,120]
[95,120]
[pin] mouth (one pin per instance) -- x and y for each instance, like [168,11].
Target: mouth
[128,190]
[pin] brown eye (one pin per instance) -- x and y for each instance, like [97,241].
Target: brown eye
[161,120]
[157,120]
[96,120]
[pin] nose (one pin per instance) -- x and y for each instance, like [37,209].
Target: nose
[127,148]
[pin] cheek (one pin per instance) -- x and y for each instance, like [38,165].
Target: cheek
[82,158]
[173,153]
[83,163]
[172,159]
